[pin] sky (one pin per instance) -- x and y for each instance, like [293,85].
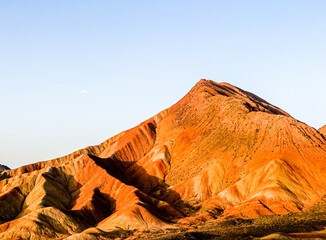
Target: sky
[74,73]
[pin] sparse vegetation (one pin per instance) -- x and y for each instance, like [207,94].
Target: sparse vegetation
[312,220]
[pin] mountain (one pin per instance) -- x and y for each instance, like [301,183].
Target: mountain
[3,167]
[219,153]
[322,130]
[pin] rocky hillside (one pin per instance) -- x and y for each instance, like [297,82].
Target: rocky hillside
[219,153]
[3,167]
[323,130]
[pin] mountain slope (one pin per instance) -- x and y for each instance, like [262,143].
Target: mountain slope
[220,152]
[3,167]
[323,130]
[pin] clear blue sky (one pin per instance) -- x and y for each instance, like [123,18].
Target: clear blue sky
[74,73]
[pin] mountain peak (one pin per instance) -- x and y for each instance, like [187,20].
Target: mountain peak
[251,101]
[220,152]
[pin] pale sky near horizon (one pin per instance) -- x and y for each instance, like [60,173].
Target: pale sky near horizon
[74,73]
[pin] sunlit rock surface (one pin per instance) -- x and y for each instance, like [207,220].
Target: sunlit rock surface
[219,153]
[323,130]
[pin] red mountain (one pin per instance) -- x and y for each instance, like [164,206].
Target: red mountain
[219,153]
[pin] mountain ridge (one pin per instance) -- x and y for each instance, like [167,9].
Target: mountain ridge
[3,167]
[323,130]
[218,153]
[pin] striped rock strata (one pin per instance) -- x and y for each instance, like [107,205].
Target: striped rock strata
[220,152]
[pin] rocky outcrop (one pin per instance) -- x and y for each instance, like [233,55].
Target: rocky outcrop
[3,167]
[220,152]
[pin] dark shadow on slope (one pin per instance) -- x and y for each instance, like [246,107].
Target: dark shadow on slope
[101,206]
[148,184]
[322,135]
[11,204]
[112,166]
[152,127]
[4,174]
[56,194]
[3,167]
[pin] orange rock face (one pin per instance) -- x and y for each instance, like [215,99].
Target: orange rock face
[323,130]
[220,152]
